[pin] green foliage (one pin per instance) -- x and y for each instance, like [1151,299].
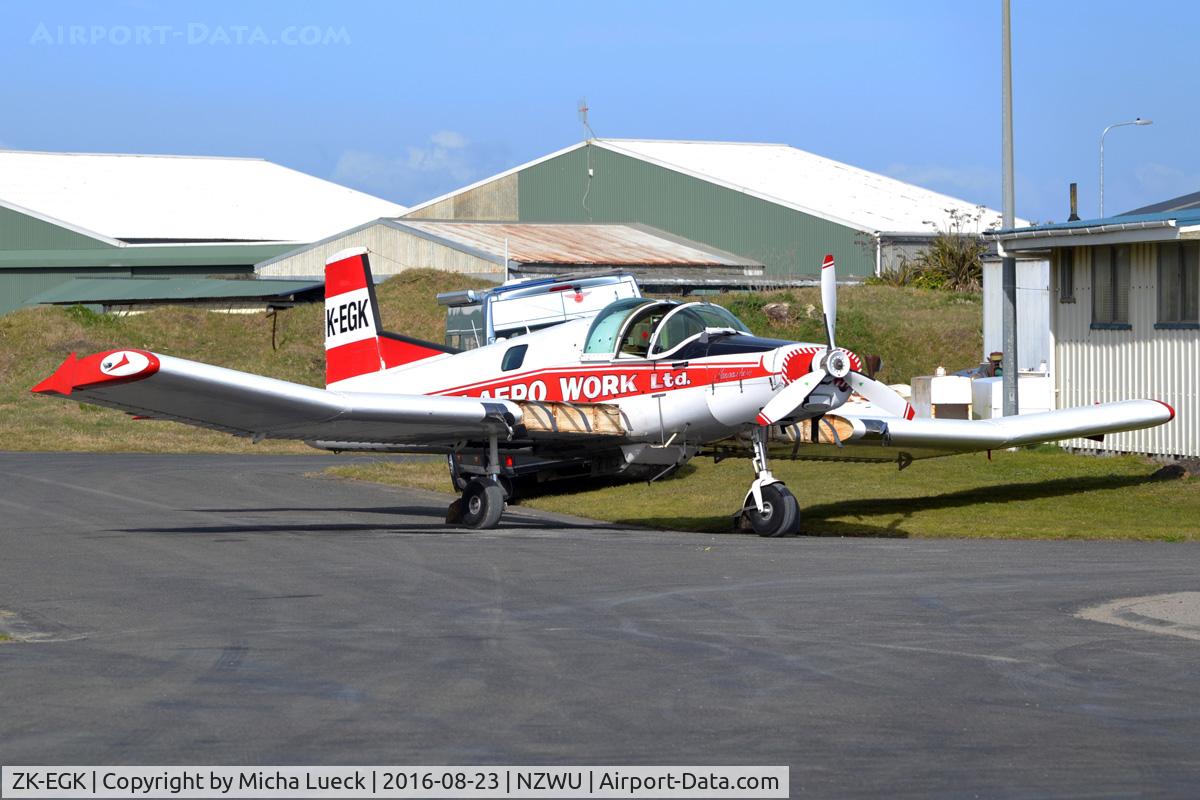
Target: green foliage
[952,262]
[913,330]
[88,318]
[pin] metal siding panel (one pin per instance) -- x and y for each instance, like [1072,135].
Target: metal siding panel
[22,232]
[1101,366]
[624,189]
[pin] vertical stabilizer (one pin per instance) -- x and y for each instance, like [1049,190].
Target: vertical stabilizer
[355,343]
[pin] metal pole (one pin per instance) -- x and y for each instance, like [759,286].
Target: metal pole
[1008,264]
[1139,122]
[1102,135]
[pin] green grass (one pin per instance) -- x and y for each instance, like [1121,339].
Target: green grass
[914,331]
[1042,493]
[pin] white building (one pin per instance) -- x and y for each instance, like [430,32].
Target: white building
[1125,318]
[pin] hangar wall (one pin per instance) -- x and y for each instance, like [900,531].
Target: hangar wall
[405,249]
[624,189]
[495,201]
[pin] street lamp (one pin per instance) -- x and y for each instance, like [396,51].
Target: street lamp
[1138,121]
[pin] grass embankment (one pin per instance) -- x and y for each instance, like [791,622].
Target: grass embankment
[1043,493]
[33,342]
[913,330]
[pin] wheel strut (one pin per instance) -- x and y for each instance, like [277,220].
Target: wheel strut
[769,508]
[483,499]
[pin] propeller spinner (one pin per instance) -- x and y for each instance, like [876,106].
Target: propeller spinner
[834,363]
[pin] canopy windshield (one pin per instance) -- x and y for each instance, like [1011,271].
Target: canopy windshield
[644,328]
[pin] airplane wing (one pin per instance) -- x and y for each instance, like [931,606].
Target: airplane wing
[844,437]
[164,387]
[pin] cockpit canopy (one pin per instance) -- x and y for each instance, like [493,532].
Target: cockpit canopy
[639,328]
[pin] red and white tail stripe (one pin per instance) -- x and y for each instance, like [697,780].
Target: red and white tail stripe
[355,343]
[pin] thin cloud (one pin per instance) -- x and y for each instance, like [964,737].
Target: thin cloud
[1162,181]
[447,160]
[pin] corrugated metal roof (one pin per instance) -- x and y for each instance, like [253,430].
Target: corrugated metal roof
[127,290]
[808,182]
[554,243]
[1181,218]
[182,198]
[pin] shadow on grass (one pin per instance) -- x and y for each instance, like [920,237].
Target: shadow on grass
[828,519]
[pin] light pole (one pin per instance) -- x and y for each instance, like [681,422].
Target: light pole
[1138,121]
[1008,267]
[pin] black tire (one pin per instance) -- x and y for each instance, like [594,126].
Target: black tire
[482,504]
[780,515]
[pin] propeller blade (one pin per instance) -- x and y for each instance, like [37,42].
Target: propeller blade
[790,398]
[829,297]
[880,394]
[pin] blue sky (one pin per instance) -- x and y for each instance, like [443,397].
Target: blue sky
[409,100]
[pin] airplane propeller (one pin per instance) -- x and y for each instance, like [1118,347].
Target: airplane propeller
[833,363]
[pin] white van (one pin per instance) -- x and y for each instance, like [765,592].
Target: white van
[476,317]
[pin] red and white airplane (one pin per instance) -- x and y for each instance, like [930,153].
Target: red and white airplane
[639,388]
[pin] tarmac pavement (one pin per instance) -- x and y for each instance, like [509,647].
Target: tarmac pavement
[200,609]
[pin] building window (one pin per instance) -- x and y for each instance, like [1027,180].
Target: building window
[1066,275]
[1179,285]
[1110,287]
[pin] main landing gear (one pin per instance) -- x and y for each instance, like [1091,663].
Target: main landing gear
[769,509]
[483,499]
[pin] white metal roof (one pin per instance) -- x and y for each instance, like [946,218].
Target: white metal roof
[807,182]
[190,198]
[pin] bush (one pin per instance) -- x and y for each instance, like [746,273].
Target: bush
[952,262]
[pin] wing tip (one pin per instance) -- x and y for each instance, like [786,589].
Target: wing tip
[109,366]
[1169,407]
[61,381]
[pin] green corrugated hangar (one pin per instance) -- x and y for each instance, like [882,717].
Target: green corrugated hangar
[78,216]
[771,203]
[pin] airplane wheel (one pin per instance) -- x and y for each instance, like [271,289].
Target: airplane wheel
[482,504]
[780,515]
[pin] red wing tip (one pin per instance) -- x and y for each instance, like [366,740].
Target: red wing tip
[110,366]
[828,262]
[61,381]
[1169,409]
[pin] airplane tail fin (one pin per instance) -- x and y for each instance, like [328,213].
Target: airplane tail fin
[355,342]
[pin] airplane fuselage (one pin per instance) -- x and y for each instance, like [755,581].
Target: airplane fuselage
[705,392]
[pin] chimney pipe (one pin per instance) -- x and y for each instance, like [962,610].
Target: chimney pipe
[1074,203]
